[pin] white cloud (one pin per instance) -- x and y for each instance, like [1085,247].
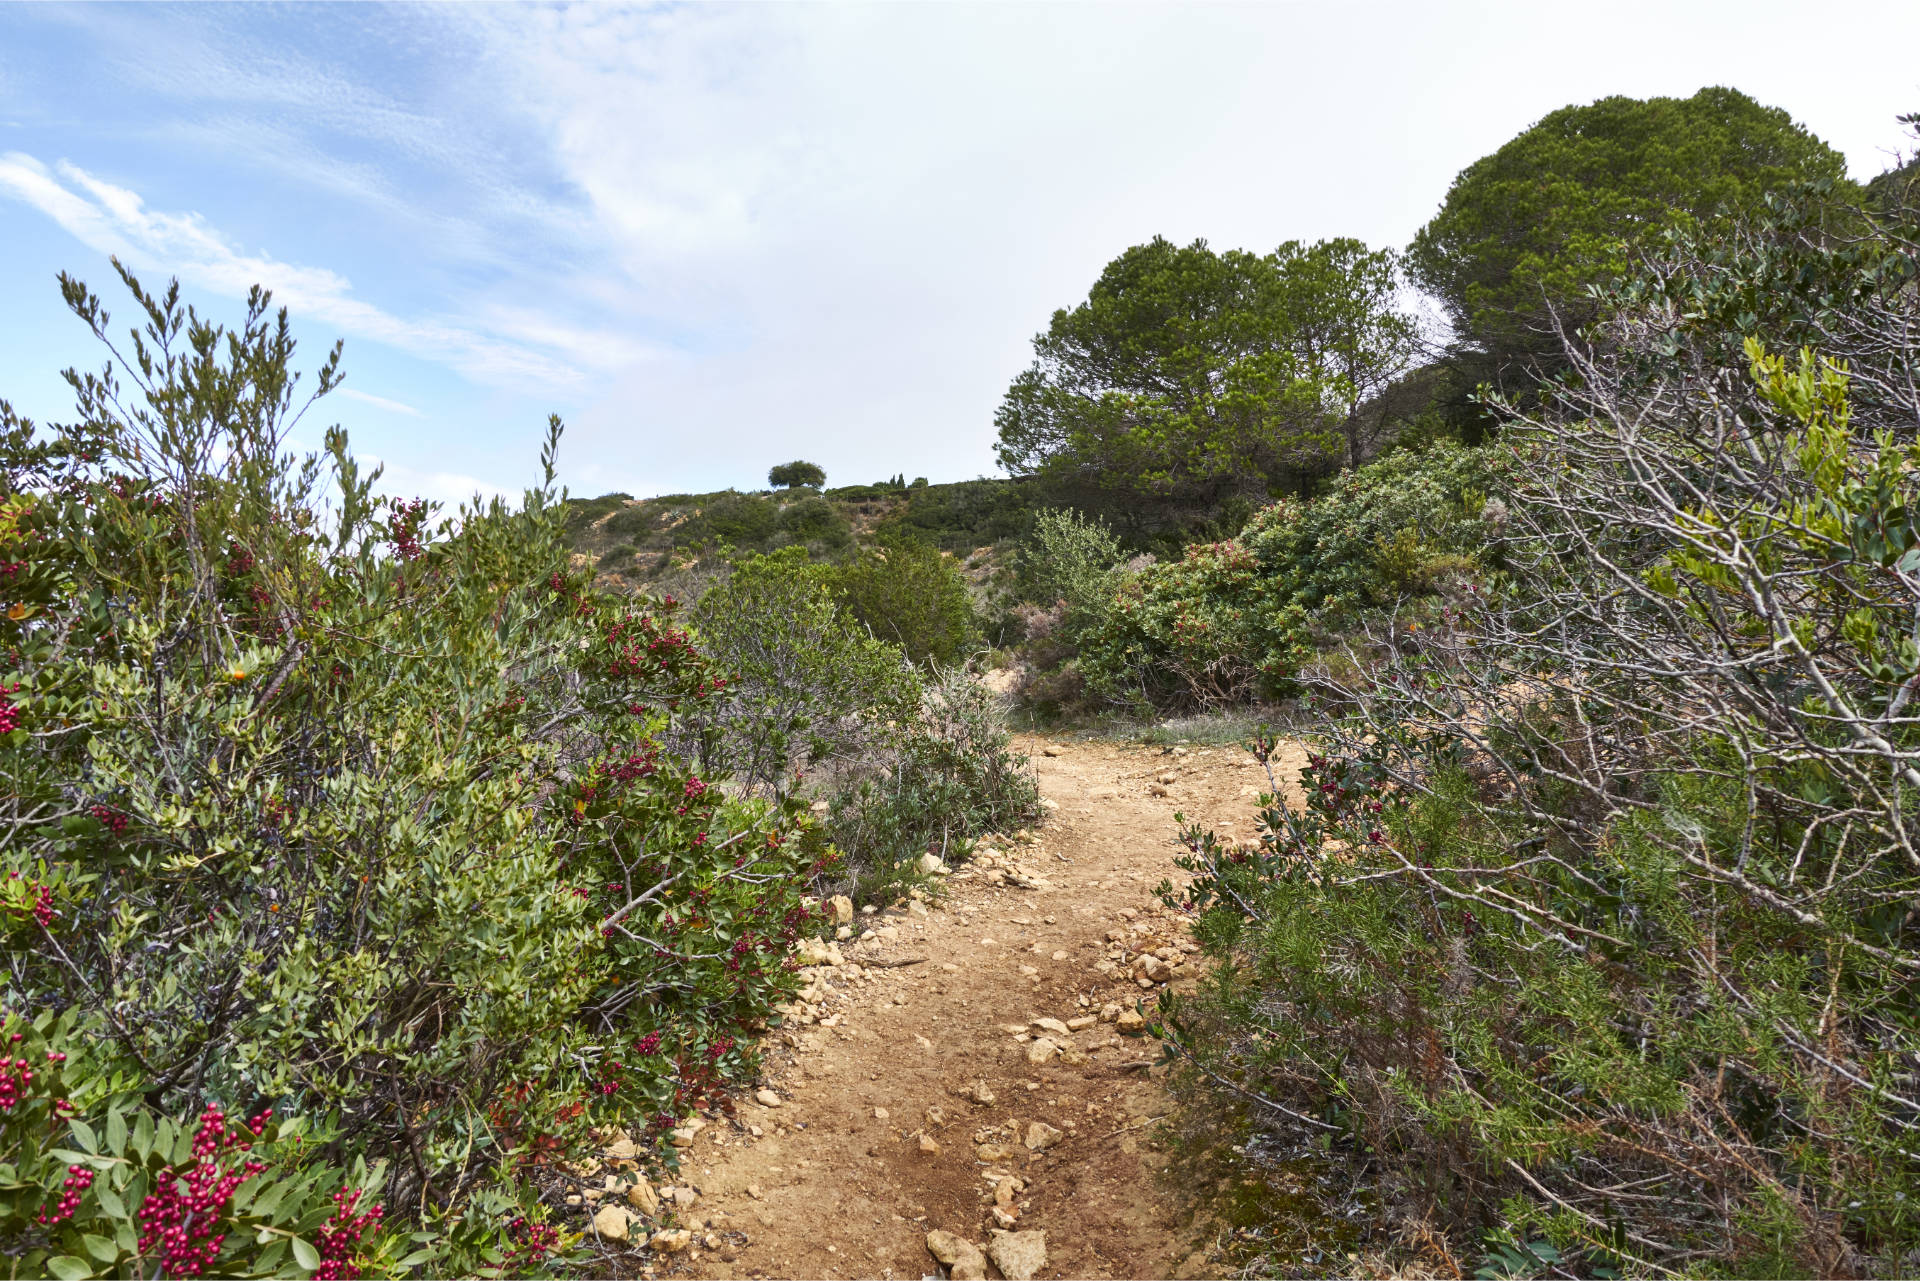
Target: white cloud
[521,349]
[380,402]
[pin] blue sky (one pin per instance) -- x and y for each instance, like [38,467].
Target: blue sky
[718,237]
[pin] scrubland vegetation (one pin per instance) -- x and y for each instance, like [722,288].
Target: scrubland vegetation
[361,859]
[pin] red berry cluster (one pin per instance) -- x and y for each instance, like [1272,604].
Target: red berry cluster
[403,528]
[79,1179]
[180,1215]
[532,1242]
[339,1238]
[115,821]
[15,1077]
[42,908]
[648,1044]
[9,710]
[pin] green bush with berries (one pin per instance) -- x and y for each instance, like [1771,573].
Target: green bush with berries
[325,808]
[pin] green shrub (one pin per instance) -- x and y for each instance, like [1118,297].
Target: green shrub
[814,522]
[1595,931]
[910,594]
[349,814]
[1236,618]
[952,778]
[741,520]
[794,474]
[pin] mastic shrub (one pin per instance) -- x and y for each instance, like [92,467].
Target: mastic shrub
[319,805]
[1234,619]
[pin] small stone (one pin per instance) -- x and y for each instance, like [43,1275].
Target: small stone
[880,1114]
[993,1153]
[643,1198]
[1013,1029]
[928,1146]
[1041,1050]
[916,908]
[753,1190]
[932,864]
[1129,1023]
[936,1116]
[622,1149]
[1158,789]
[1004,1191]
[1019,1255]
[1059,956]
[962,1258]
[767,1098]
[842,908]
[1110,1011]
[1028,970]
[1041,1136]
[674,1240]
[1005,1216]
[683,1137]
[981,1094]
[1084,1021]
[1053,751]
[1054,1026]
[611,1222]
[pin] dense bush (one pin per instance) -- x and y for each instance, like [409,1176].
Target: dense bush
[1236,618]
[797,473]
[742,520]
[913,595]
[335,811]
[907,759]
[1595,937]
[814,522]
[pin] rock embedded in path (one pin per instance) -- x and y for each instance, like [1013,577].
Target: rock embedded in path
[767,1098]
[1054,1026]
[643,1198]
[962,1258]
[1129,1023]
[611,1222]
[1019,1255]
[929,1146]
[1041,1136]
[842,907]
[1040,1050]
[672,1241]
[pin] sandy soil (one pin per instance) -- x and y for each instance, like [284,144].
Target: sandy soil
[882,1132]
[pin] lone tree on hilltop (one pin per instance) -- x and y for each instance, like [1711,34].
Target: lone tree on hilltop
[790,475]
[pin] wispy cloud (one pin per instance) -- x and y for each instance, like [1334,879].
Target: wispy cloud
[380,402]
[523,349]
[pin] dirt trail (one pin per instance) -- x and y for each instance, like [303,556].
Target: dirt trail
[894,1061]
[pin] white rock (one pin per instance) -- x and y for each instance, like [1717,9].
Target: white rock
[767,1098]
[1054,1026]
[842,908]
[963,1258]
[643,1198]
[671,1242]
[1019,1255]
[1041,1050]
[1041,1136]
[611,1222]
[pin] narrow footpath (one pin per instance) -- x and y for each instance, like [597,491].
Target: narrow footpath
[963,1089]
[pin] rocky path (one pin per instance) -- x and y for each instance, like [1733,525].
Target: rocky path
[967,1071]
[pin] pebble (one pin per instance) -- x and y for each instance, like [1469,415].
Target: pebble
[767,1098]
[1054,1026]
[880,1114]
[928,1145]
[1129,1023]
[643,1198]
[675,1240]
[1041,1050]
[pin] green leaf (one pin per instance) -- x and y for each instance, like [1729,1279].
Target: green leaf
[85,1135]
[415,1259]
[68,1268]
[110,1203]
[100,1248]
[270,1257]
[116,1133]
[305,1255]
[143,1135]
